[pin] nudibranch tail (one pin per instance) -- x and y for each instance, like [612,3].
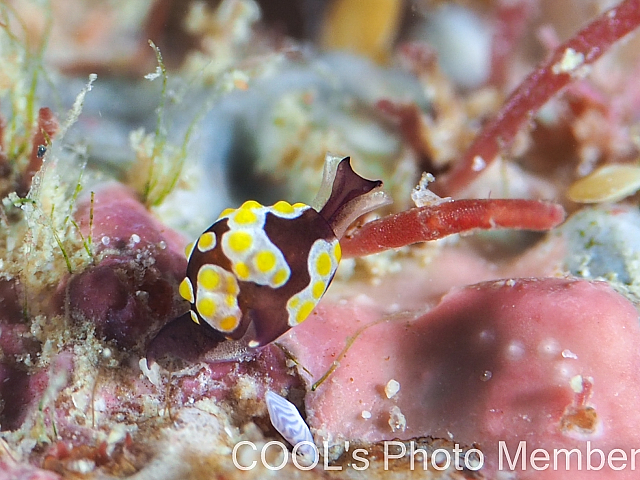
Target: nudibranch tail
[351,196]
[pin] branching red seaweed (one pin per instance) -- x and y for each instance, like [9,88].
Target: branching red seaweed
[511,22]
[545,81]
[461,216]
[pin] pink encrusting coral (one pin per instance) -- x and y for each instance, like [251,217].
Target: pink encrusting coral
[139,263]
[19,388]
[552,362]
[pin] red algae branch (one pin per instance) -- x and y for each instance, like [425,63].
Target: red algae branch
[511,24]
[460,216]
[545,81]
[46,129]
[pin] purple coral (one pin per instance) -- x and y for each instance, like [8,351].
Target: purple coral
[129,294]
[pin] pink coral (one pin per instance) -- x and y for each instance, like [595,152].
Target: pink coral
[497,361]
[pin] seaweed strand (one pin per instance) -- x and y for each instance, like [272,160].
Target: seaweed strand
[544,82]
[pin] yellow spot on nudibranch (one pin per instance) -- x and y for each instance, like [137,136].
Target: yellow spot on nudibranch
[186,290]
[283,207]
[245,217]
[194,317]
[293,303]
[323,264]
[305,310]
[265,261]
[318,290]
[230,300]
[226,212]
[240,241]
[280,277]
[228,324]
[232,286]
[241,270]
[206,242]
[206,307]
[299,205]
[208,278]
[251,205]
[337,252]
[189,250]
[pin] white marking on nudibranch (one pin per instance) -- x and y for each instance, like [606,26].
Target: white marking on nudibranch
[322,263]
[286,419]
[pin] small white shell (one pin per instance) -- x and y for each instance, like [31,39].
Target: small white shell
[286,419]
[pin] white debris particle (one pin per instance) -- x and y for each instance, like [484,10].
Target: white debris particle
[80,400]
[569,62]
[152,76]
[366,414]
[486,375]
[152,374]
[135,238]
[478,164]
[566,353]
[397,420]
[510,283]
[391,388]
[422,196]
[576,383]
[117,434]
[105,240]
[81,466]
[237,79]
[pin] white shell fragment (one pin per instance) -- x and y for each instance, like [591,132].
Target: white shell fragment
[569,62]
[286,419]
[610,183]
[391,388]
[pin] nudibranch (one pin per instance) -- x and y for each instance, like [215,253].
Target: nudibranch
[260,270]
